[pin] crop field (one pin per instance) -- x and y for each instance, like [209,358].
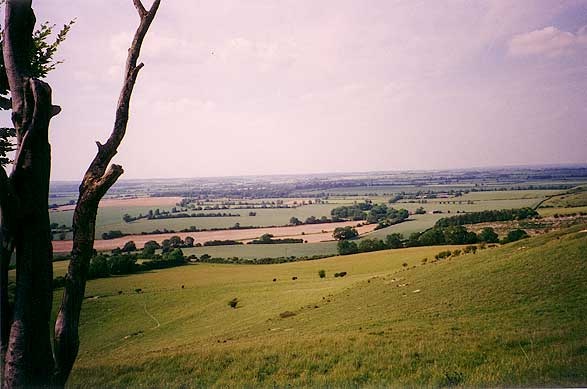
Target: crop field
[507,316]
[310,232]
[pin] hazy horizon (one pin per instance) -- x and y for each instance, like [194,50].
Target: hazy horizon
[325,173]
[263,88]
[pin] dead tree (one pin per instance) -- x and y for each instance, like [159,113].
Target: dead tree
[27,355]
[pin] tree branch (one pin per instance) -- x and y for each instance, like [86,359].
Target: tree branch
[18,41]
[96,182]
[107,151]
[140,8]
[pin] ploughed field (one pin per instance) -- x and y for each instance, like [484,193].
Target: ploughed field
[506,316]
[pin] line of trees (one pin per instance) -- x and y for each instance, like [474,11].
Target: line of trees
[180,215]
[487,216]
[452,235]
[268,239]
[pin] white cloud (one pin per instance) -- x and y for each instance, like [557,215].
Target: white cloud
[549,41]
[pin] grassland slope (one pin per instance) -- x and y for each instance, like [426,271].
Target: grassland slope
[508,316]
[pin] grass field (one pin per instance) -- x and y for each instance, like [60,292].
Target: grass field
[266,250]
[508,316]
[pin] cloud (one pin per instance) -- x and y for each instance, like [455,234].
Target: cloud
[549,41]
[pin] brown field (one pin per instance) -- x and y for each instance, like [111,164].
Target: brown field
[129,202]
[312,233]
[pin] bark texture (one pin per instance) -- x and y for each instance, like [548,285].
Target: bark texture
[26,348]
[27,358]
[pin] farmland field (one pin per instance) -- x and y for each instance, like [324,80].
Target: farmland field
[310,232]
[485,319]
[110,218]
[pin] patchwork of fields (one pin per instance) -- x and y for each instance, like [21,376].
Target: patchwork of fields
[110,218]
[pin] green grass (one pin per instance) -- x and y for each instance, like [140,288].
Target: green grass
[561,211]
[266,250]
[508,316]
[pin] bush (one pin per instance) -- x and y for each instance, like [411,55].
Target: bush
[515,235]
[322,273]
[470,249]
[112,235]
[443,254]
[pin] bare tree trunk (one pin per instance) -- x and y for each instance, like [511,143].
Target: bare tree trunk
[95,184]
[25,216]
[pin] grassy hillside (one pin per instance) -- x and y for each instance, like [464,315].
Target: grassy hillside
[508,316]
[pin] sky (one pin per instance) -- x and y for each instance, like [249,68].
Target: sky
[294,86]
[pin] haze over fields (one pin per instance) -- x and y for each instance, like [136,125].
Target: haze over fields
[232,88]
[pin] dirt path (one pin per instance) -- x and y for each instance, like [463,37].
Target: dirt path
[310,232]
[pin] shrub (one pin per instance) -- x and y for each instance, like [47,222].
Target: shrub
[515,235]
[443,254]
[470,249]
[322,273]
[456,253]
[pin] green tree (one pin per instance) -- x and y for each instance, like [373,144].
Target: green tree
[98,267]
[515,235]
[129,247]
[346,247]
[294,221]
[394,241]
[367,245]
[343,233]
[175,241]
[41,61]
[175,255]
[189,241]
[488,235]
